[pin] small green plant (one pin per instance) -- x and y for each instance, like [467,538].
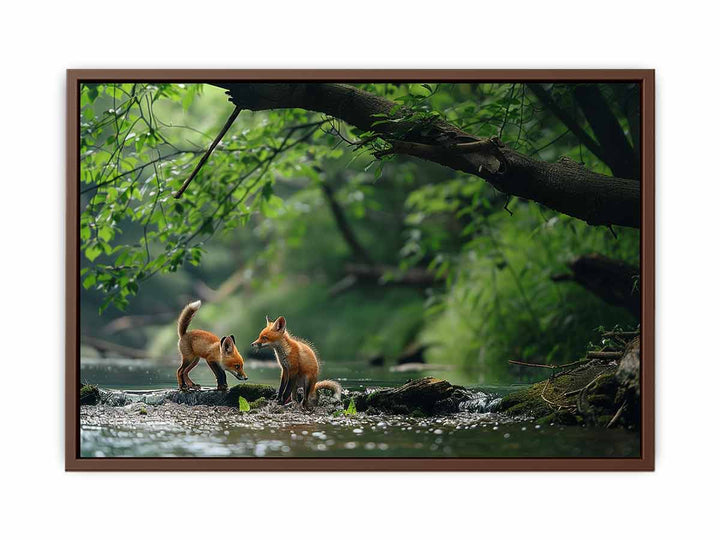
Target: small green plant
[351,409]
[143,411]
[243,405]
[259,402]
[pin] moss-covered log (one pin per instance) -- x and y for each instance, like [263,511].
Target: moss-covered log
[89,394]
[598,392]
[424,396]
[251,392]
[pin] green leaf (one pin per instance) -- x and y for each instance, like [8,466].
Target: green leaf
[188,99]
[89,281]
[93,252]
[351,409]
[243,405]
[92,92]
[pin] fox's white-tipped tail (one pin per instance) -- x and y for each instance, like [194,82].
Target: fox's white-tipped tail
[186,316]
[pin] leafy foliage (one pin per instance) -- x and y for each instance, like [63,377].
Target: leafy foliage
[259,213]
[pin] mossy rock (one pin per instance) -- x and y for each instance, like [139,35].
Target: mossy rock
[428,395]
[251,392]
[89,394]
[589,390]
[259,402]
[563,417]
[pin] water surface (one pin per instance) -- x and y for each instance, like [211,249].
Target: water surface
[173,430]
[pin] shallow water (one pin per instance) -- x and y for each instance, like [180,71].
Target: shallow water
[170,429]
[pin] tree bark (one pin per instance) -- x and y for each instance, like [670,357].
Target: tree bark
[612,280]
[565,186]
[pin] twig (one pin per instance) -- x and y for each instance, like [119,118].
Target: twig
[522,107]
[509,96]
[622,334]
[207,154]
[507,201]
[583,389]
[617,415]
[548,366]
[531,365]
[604,355]
[546,400]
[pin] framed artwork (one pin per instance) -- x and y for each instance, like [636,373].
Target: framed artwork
[360,270]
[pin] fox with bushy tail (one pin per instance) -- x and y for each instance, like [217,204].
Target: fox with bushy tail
[220,354]
[298,363]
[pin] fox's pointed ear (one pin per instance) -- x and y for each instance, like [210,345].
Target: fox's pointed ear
[279,325]
[232,336]
[268,322]
[225,344]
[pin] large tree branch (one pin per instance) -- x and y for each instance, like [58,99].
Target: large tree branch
[616,282]
[564,186]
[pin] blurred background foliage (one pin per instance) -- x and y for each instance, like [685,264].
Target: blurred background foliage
[371,259]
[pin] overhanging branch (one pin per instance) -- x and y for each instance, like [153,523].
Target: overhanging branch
[562,186]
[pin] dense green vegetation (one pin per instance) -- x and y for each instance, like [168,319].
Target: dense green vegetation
[365,252]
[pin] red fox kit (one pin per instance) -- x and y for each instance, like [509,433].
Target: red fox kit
[298,363]
[220,354]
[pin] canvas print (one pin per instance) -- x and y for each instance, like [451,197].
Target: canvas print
[293,269]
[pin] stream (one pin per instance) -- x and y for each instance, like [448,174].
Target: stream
[139,429]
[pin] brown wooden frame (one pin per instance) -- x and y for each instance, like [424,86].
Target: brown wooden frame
[645,77]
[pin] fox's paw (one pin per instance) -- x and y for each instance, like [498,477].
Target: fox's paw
[222,387]
[183,388]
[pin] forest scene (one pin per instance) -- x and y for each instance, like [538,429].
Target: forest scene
[462,258]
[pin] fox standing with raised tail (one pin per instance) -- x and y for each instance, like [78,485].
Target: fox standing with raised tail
[220,354]
[298,363]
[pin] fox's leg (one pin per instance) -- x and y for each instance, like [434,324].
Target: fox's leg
[219,375]
[298,391]
[186,375]
[283,385]
[310,394]
[290,385]
[180,373]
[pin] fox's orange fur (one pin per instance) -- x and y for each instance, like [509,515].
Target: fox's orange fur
[298,363]
[220,354]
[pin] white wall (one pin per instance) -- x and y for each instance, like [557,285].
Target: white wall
[39,43]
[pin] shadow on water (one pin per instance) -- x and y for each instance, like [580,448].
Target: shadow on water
[170,429]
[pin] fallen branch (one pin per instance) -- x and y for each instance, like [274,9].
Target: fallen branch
[605,355]
[548,366]
[104,347]
[622,334]
[617,415]
[614,281]
[127,322]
